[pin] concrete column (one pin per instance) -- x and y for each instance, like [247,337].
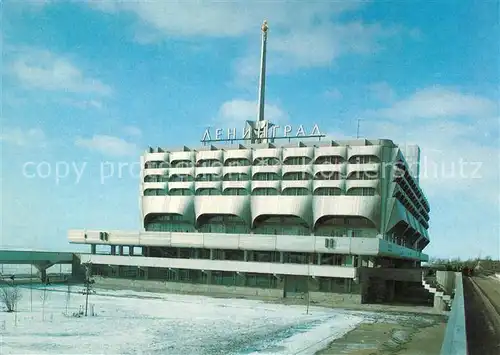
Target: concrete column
[319,258]
[92,249]
[146,273]
[197,253]
[131,250]
[245,255]
[120,249]
[43,275]
[282,257]
[113,250]
[211,254]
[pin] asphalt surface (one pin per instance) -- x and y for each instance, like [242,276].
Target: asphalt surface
[482,310]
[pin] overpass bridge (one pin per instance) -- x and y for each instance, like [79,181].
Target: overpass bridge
[41,260]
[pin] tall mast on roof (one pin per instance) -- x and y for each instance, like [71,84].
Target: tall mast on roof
[262,79]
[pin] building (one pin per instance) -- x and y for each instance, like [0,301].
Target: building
[326,218]
[273,217]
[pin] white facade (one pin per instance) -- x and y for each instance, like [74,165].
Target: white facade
[357,179]
[346,198]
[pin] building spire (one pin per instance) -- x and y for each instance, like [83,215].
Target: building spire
[262,80]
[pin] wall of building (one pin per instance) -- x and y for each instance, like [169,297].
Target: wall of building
[316,297]
[446,279]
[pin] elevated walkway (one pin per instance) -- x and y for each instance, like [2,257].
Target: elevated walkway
[41,260]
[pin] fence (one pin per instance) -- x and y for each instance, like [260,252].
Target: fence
[455,338]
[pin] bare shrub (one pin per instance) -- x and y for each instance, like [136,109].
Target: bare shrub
[10,296]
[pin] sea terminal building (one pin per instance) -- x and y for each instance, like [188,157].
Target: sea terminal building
[336,219]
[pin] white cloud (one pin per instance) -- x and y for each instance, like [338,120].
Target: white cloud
[238,111]
[459,137]
[300,36]
[334,94]
[44,70]
[222,19]
[108,145]
[382,91]
[132,131]
[33,137]
[439,102]
[84,104]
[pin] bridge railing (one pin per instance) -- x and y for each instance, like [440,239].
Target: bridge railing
[455,338]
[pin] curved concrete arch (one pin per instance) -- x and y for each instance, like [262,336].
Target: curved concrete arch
[297,206]
[210,155]
[355,206]
[340,151]
[275,169]
[209,170]
[266,184]
[298,152]
[182,156]
[326,168]
[363,150]
[353,184]
[223,205]
[163,156]
[155,171]
[290,184]
[228,170]
[179,205]
[182,171]
[308,168]
[361,168]
[153,185]
[247,185]
[185,185]
[238,154]
[266,153]
[207,185]
[338,184]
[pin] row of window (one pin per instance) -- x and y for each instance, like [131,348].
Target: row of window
[365,159]
[278,225]
[291,176]
[262,191]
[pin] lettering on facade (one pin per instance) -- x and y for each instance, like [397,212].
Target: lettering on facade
[274,131]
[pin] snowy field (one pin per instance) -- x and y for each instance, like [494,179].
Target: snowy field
[129,322]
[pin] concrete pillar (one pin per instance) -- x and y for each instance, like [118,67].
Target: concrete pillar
[113,250]
[131,250]
[43,274]
[120,249]
[92,249]
[211,254]
[282,257]
[197,253]
[245,255]
[319,258]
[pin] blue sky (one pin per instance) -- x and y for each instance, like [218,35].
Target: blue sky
[88,86]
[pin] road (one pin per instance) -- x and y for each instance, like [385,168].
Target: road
[482,309]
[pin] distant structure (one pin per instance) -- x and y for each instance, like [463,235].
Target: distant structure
[341,220]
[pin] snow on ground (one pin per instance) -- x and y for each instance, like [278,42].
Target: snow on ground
[129,322]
